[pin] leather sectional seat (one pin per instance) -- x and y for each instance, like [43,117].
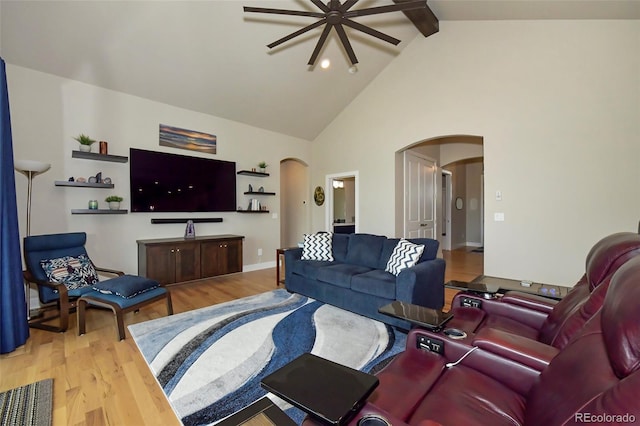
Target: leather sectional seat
[593,378]
[546,320]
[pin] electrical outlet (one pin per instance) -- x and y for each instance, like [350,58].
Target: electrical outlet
[259,252]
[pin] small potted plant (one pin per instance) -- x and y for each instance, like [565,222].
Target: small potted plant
[85,142]
[114,202]
[263,166]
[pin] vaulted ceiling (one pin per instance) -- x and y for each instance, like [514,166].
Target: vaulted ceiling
[211,57]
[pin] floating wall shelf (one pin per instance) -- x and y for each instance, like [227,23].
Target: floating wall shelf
[259,193]
[253,211]
[98,211]
[252,173]
[84,184]
[99,157]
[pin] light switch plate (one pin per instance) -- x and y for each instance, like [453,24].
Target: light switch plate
[498,217]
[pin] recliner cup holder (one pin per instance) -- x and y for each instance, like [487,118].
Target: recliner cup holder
[454,333]
[373,420]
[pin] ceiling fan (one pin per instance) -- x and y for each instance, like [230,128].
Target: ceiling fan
[335,14]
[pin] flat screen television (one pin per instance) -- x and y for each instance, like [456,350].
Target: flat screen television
[164,182]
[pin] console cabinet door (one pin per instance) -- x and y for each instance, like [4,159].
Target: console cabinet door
[221,257]
[187,262]
[160,263]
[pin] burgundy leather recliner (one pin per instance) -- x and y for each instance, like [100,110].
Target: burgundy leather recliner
[594,378]
[543,319]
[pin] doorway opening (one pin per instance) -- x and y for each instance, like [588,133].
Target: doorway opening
[342,202]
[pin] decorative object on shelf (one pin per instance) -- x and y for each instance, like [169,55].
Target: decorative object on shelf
[262,207]
[318,195]
[250,188]
[254,204]
[107,181]
[253,169]
[190,230]
[262,166]
[104,148]
[71,179]
[85,142]
[261,189]
[30,169]
[81,179]
[99,177]
[114,201]
[92,179]
[176,137]
[93,204]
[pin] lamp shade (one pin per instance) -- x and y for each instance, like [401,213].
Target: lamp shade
[35,167]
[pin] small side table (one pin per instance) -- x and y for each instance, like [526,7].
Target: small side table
[324,389]
[279,259]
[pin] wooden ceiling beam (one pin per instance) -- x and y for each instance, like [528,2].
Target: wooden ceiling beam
[424,19]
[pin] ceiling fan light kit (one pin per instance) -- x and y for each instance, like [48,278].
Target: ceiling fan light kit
[335,15]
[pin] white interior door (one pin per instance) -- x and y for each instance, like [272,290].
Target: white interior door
[446,202]
[419,198]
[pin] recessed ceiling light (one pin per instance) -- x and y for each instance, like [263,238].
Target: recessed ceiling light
[325,64]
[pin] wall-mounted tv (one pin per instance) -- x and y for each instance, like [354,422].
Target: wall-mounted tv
[164,182]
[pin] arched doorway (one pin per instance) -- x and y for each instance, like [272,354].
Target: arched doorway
[295,215]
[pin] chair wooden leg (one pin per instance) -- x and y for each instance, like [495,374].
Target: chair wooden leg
[82,305]
[169,304]
[120,320]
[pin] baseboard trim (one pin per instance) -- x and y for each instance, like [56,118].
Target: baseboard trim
[259,266]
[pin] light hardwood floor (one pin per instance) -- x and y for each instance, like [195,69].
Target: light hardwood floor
[99,380]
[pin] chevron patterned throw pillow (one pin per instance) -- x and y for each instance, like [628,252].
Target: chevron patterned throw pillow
[405,255]
[318,246]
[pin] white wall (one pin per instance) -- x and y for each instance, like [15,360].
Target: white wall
[48,111]
[557,104]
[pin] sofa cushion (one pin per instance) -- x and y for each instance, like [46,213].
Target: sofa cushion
[340,274]
[308,268]
[73,272]
[405,255]
[318,246]
[126,286]
[430,251]
[378,283]
[365,249]
[340,246]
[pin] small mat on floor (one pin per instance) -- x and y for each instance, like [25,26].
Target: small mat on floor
[27,405]
[209,362]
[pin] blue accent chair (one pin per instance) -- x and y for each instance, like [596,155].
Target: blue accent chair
[56,297]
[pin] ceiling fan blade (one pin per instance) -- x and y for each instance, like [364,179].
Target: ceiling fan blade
[296,33]
[284,12]
[368,30]
[347,5]
[323,7]
[421,4]
[321,40]
[345,42]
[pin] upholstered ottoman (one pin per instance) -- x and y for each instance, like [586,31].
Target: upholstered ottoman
[122,294]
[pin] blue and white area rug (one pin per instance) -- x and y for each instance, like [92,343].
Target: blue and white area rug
[210,361]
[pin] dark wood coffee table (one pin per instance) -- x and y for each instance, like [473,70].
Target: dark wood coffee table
[326,390]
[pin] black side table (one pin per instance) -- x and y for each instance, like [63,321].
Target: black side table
[331,392]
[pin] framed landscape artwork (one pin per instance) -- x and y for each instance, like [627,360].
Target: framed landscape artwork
[176,137]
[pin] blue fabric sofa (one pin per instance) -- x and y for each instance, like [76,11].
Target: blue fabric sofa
[356,279]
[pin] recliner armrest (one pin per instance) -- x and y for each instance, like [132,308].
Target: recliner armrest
[517,348]
[530,301]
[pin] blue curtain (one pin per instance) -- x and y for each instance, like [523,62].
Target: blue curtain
[14,329]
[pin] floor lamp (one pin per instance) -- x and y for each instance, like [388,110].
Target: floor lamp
[30,169]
